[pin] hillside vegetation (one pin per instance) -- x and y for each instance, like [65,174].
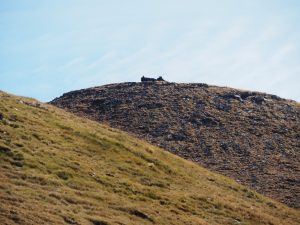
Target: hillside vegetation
[249,136]
[56,168]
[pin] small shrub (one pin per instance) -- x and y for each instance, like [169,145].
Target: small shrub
[18,157]
[98,222]
[37,136]
[18,163]
[271,204]
[63,175]
[140,214]
[70,220]
[6,151]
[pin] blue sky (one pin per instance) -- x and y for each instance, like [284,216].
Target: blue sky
[53,46]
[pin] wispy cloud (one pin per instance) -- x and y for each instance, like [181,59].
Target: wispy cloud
[74,62]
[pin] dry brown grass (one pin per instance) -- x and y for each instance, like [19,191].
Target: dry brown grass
[56,168]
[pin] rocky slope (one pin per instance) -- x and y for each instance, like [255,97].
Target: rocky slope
[249,136]
[56,168]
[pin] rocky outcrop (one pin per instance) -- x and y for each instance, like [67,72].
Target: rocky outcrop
[147,79]
[252,137]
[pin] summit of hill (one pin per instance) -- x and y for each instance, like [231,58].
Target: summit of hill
[249,136]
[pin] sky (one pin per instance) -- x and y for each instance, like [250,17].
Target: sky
[51,47]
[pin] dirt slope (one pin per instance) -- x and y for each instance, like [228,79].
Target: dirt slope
[249,136]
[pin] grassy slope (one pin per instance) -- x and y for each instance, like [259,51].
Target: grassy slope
[56,168]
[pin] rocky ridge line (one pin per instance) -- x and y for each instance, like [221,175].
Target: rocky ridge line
[250,136]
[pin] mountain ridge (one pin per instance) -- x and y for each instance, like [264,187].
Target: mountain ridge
[218,127]
[57,168]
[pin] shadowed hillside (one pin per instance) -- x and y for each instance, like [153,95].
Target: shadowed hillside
[56,168]
[249,136]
